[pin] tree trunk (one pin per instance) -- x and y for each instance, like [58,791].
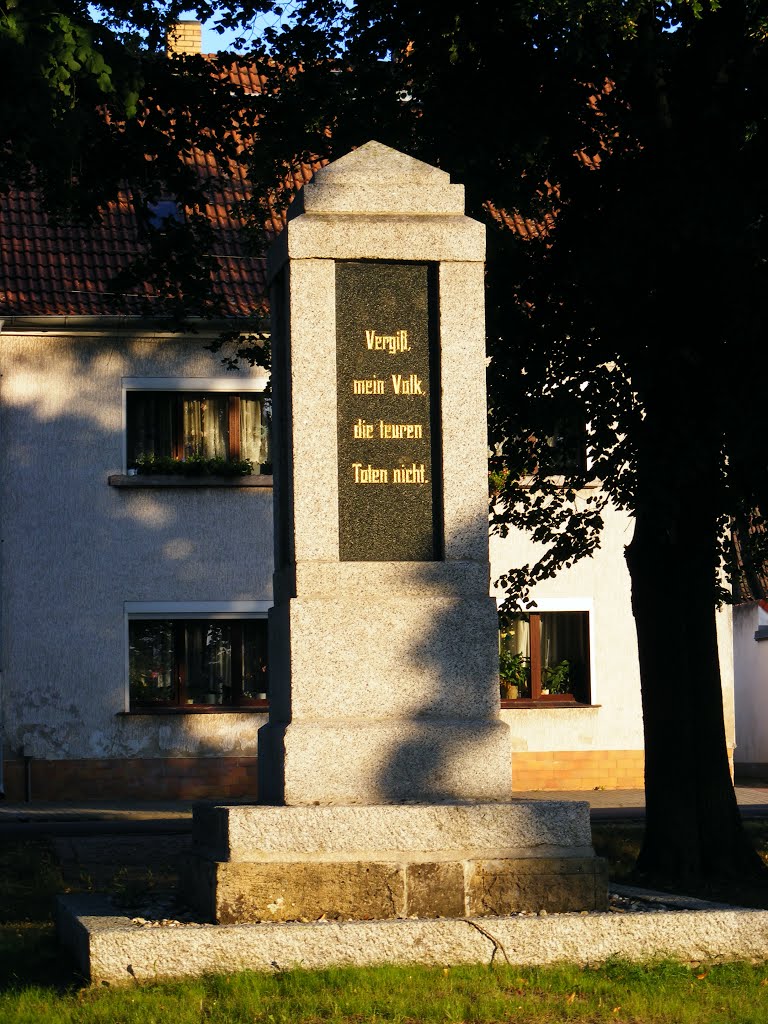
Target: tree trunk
[693,826]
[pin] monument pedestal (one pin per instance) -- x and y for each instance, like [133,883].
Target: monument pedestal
[364,863]
[378,709]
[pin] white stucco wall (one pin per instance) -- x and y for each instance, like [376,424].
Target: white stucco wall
[75,549]
[750,660]
[600,584]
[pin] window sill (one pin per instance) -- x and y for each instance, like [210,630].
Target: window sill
[560,481]
[138,481]
[207,709]
[550,702]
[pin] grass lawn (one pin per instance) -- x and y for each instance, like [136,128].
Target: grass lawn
[39,984]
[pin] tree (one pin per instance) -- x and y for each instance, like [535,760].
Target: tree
[616,149]
[91,105]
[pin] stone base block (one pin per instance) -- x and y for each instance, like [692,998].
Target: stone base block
[232,893]
[554,884]
[404,832]
[403,704]
[402,656]
[235,893]
[366,761]
[381,862]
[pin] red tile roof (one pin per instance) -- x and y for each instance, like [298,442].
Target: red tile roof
[49,269]
[65,270]
[751,581]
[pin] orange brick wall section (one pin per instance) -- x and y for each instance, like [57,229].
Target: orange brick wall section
[202,778]
[577,769]
[161,778]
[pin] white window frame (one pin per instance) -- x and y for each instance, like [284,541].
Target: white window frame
[184,610]
[572,604]
[230,385]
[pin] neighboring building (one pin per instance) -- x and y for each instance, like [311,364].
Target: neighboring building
[750,670]
[133,607]
[750,664]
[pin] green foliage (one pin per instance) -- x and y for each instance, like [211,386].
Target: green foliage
[629,143]
[90,102]
[514,670]
[557,678]
[254,348]
[654,993]
[193,465]
[613,141]
[496,480]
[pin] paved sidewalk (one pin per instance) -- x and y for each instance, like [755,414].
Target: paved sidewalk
[630,803]
[175,817]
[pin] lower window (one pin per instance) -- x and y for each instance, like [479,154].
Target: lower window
[544,656]
[197,662]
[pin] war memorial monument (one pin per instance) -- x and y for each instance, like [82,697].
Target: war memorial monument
[385,830]
[385,769]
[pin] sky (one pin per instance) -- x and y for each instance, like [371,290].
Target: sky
[213,41]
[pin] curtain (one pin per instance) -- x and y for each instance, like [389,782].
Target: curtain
[205,420]
[254,432]
[517,640]
[565,637]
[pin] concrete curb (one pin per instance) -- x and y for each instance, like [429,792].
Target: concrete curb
[113,949]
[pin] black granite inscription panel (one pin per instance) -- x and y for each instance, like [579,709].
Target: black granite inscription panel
[388,394]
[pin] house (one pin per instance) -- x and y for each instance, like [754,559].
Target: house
[136,565]
[750,665]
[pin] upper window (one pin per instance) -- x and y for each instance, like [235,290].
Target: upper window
[544,656]
[197,662]
[566,453]
[210,429]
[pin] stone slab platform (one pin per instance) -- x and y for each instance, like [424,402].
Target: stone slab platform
[110,948]
[263,863]
[401,832]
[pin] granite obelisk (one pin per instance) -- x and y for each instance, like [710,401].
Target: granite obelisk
[383,638]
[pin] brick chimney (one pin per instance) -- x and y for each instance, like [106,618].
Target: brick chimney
[185,37]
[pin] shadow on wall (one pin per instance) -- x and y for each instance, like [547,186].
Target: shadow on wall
[75,549]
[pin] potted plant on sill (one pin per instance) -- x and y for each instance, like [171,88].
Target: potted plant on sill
[514,675]
[149,464]
[556,679]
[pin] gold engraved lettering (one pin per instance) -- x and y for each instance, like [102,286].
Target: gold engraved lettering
[398,431]
[362,429]
[397,342]
[413,474]
[369,386]
[369,475]
[410,385]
